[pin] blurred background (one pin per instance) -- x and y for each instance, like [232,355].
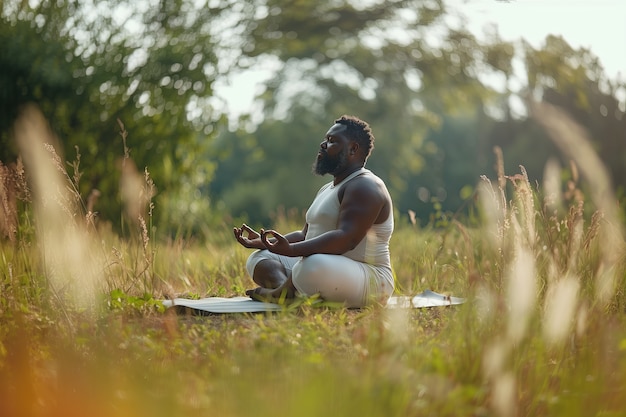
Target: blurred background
[223,103]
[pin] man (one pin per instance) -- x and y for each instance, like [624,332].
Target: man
[342,252]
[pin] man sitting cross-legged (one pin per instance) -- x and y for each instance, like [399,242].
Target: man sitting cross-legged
[342,252]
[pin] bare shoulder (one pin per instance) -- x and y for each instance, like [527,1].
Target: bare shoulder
[370,180]
[367,186]
[369,193]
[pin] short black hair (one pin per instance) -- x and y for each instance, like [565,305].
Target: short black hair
[359,131]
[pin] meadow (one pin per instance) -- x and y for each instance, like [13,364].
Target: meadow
[83,332]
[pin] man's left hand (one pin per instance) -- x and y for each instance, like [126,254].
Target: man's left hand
[280,245]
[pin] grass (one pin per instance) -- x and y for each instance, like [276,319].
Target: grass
[82,331]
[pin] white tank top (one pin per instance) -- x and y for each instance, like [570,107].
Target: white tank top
[323,215]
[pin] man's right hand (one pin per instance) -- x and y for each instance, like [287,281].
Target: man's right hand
[248,237]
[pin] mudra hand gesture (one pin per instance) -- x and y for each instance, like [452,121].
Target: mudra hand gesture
[248,237]
[279,244]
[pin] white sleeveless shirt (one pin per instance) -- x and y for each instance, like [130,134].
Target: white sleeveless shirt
[323,215]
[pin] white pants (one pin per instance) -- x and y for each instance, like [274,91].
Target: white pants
[335,278]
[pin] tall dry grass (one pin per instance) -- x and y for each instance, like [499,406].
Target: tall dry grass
[557,291]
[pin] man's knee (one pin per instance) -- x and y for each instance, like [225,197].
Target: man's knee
[269,273]
[267,266]
[254,258]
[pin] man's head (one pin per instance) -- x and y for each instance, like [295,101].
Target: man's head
[359,131]
[349,142]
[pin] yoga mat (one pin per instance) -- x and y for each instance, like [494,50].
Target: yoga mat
[425,299]
[220,305]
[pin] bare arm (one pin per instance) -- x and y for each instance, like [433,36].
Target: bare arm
[298,235]
[361,206]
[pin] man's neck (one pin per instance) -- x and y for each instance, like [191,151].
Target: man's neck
[338,178]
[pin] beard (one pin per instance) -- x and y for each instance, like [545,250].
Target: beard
[325,164]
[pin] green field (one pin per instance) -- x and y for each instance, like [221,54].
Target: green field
[82,331]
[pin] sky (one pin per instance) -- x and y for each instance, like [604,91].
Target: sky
[599,25]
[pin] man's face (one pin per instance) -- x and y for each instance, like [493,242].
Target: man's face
[333,154]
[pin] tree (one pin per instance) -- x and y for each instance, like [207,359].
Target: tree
[261,171]
[377,62]
[89,65]
[575,81]
[34,65]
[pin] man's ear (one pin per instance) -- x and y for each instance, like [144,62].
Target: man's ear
[354,147]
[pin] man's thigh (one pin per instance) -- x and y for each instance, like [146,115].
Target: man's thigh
[334,277]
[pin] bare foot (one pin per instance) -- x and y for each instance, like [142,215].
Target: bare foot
[269,295]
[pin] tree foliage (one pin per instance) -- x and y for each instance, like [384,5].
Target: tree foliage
[90,65]
[378,62]
[426,89]
[575,81]
[424,84]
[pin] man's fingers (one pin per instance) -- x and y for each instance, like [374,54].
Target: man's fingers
[266,233]
[249,231]
[265,237]
[247,228]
